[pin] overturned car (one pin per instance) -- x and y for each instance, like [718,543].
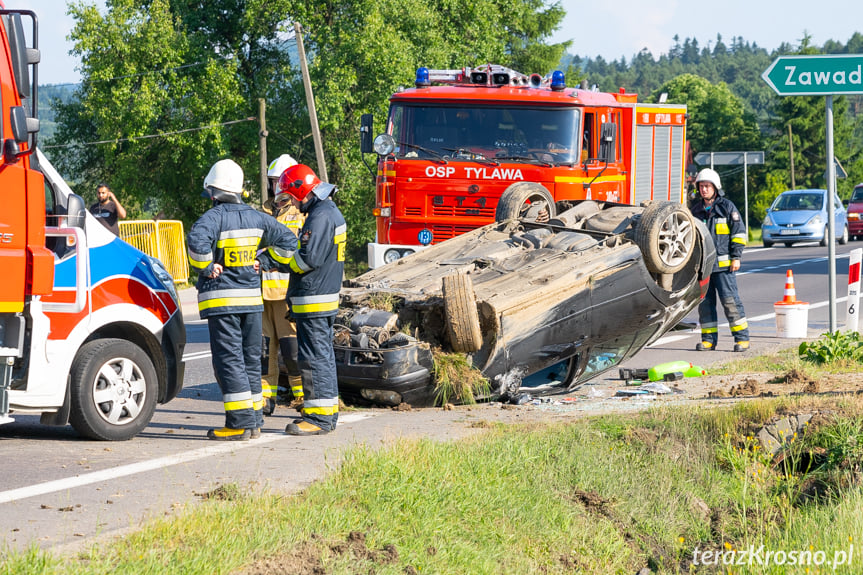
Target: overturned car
[538,306]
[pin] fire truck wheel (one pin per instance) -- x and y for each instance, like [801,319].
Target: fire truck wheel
[666,236]
[462,318]
[114,388]
[527,201]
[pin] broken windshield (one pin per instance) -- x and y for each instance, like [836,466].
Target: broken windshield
[495,133]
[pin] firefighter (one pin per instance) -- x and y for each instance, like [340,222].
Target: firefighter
[317,268]
[729,236]
[223,248]
[278,329]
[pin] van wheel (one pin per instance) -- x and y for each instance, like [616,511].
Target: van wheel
[666,236]
[114,388]
[525,201]
[462,318]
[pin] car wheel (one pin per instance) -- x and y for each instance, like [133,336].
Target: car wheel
[666,235]
[789,244]
[462,318]
[114,389]
[823,241]
[525,200]
[843,239]
[767,244]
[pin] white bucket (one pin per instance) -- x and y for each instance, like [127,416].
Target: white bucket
[792,320]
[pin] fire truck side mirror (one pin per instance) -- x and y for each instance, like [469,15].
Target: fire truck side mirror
[608,142]
[366,122]
[22,126]
[76,211]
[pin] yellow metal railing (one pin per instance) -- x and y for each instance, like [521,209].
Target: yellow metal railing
[163,239]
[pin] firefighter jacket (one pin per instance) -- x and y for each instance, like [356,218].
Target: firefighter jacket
[274,282]
[317,267]
[726,228]
[230,234]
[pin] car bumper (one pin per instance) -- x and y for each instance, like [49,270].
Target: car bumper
[387,376]
[805,233]
[173,345]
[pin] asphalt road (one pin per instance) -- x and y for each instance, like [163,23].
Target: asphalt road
[58,491]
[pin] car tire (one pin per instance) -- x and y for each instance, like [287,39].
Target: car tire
[666,236]
[788,244]
[767,244]
[519,201]
[823,242]
[843,239]
[107,408]
[460,313]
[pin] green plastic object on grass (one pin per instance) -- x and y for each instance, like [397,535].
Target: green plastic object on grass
[657,372]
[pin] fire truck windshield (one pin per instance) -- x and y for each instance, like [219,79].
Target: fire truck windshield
[503,133]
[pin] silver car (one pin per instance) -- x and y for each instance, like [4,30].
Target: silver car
[801,216]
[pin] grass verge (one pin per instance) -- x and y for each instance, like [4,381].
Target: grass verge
[611,494]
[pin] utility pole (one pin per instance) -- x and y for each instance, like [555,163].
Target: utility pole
[791,155]
[310,102]
[262,144]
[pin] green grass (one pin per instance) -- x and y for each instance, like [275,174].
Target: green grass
[611,494]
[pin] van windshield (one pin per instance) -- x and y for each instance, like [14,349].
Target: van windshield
[493,132]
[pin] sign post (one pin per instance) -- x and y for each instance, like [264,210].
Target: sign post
[734,159]
[820,75]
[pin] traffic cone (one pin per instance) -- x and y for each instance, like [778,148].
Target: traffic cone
[790,293]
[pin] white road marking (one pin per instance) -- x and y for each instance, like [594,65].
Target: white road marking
[767,316]
[152,464]
[197,355]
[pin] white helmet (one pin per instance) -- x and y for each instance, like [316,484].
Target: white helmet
[224,182]
[710,175]
[279,165]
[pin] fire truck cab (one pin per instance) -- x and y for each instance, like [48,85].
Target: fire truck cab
[464,148]
[91,331]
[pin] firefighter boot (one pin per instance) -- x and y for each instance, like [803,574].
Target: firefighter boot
[303,427]
[740,346]
[229,434]
[705,346]
[256,433]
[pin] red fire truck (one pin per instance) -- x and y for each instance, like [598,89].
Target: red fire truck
[465,147]
[91,331]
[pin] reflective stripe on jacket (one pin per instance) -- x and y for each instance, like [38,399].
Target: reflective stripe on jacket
[317,266]
[726,228]
[230,235]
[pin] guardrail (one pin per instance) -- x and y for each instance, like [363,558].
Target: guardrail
[162,239]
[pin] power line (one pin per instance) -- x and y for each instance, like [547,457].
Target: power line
[159,135]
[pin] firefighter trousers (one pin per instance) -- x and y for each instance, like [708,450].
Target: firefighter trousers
[281,335]
[317,362]
[722,286]
[235,340]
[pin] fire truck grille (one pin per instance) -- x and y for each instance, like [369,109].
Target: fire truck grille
[413,211]
[474,211]
[441,233]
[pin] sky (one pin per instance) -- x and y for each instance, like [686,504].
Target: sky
[597,28]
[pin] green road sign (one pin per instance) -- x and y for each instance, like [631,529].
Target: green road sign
[816,75]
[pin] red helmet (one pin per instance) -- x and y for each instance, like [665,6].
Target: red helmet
[297,181]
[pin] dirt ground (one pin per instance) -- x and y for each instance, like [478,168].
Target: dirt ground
[606,395]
